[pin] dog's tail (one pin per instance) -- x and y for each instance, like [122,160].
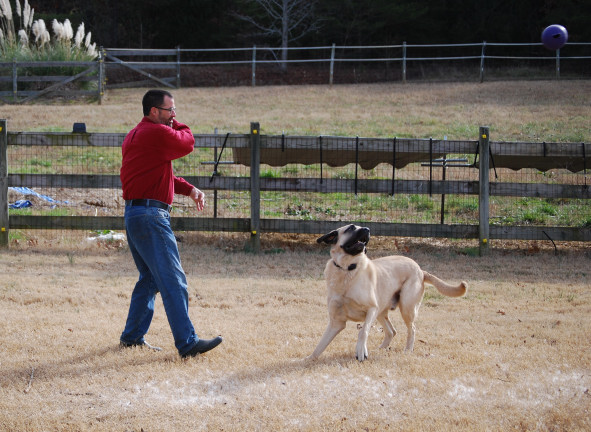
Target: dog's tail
[445,288]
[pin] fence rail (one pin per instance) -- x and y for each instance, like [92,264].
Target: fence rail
[403,54]
[22,82]
[295,184]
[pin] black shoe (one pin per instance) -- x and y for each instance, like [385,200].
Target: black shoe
[203,346]
[139,344]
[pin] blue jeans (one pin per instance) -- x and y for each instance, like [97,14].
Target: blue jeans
[156,255]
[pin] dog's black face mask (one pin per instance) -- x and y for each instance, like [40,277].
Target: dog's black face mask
[357,241]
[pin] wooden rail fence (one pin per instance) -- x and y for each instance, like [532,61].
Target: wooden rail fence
[20,83]
[492,155]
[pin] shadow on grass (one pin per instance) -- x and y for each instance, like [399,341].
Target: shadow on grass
[93,362]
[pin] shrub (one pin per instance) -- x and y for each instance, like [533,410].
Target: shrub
[33,42]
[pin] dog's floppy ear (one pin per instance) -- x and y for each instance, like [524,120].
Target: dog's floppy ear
[330,238]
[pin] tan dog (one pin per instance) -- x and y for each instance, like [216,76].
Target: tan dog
[360,289]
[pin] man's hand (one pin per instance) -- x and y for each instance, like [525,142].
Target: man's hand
[199,198]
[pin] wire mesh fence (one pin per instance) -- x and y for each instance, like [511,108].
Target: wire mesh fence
[66,186]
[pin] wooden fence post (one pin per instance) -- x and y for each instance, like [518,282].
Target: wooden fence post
[101,74]
[484,192]
[14,81]
[3,185]
[255,187]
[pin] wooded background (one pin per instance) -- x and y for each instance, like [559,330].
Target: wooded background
[232,23]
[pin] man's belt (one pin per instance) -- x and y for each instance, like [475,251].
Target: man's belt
[148,203]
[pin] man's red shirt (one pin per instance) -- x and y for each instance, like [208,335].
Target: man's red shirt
[148,152]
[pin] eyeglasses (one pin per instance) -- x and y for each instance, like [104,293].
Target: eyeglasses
[171,109]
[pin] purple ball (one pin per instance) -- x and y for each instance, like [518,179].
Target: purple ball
[554,37]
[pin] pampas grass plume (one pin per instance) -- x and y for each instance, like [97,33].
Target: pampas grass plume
[6,9]
[58,29]
[68,30]
[92,50]
[40,31]
[31,15]
[23,38]
[27,17]
[79,36]
[36,33]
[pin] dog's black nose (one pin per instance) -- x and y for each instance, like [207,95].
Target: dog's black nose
[356,243]
[363,234]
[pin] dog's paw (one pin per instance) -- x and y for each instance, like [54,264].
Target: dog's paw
[361,354]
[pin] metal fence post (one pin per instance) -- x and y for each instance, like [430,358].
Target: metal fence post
[331,64]
[404,62]
[178,67]
[255,189]
[482,61]
[3,185]
[558,63]
[254,62]
[484,190]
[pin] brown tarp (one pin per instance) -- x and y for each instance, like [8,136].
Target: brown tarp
[370,159]
[334,158]
[541,163]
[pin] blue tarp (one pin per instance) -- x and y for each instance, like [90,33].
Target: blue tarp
[20,204]
[28,191]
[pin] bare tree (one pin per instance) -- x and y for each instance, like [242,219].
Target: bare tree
[288,20]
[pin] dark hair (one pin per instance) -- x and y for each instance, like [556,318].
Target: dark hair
[153,98]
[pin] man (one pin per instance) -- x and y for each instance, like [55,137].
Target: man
[149,186]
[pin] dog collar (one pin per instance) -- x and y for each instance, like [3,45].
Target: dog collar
[351,266]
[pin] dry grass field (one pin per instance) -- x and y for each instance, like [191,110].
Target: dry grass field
[513,354]
[514,111]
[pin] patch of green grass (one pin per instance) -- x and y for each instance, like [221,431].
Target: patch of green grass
[272,214]
[26,211]
[30,211]
[299,211]
[540,211]
[455,204]
[16,235]
[421,202]
[270,173]
[39,162]
[325,210]
[56,211]
[471,251]
[533,211]
[461,129]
